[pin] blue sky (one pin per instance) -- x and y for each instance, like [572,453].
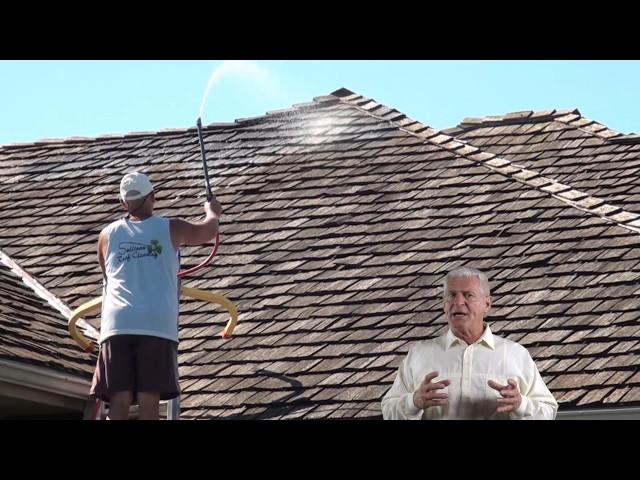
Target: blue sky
[60,99]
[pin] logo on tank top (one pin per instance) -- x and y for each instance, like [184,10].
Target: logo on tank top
[132,250]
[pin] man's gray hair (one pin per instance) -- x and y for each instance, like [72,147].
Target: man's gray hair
[468,272]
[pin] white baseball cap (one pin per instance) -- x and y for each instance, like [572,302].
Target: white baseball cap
[135,185]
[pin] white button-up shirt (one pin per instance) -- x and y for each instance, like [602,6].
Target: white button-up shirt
[469,367]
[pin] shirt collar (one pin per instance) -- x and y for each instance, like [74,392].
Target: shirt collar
[486,338]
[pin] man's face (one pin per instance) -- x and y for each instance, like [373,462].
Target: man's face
[465,303]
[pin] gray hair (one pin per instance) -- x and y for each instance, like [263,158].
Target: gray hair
[468,272]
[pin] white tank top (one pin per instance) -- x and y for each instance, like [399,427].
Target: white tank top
[140,292]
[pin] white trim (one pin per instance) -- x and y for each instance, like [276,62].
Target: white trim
[44,380]
[620,413]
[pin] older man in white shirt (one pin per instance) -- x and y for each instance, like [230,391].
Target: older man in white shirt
[468,373]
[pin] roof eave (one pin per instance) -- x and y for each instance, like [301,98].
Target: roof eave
[44,384]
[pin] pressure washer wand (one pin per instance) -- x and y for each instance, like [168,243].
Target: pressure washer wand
[204,161]
[191,270]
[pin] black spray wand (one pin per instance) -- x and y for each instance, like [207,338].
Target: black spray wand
[204,161]
[209,197]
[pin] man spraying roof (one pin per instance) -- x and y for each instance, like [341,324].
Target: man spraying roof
[139,258]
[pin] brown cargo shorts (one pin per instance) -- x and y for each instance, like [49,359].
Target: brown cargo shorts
[136,363]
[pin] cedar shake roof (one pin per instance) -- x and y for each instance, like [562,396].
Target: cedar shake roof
[563,145]
[341,218]
[32,331]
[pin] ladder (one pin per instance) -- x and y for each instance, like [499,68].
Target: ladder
[169,410]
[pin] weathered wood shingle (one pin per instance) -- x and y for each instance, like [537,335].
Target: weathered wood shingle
[565,146]
[341,218]
[32,331]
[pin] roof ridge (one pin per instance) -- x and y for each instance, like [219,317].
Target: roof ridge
[587,125]
[285,112]
[528,116]
[294,109]
[565,193]
[628,138]
[44,293]
[393,115]
[107,136]
[570,116]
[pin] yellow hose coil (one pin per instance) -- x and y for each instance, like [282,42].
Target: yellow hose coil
[95,305]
